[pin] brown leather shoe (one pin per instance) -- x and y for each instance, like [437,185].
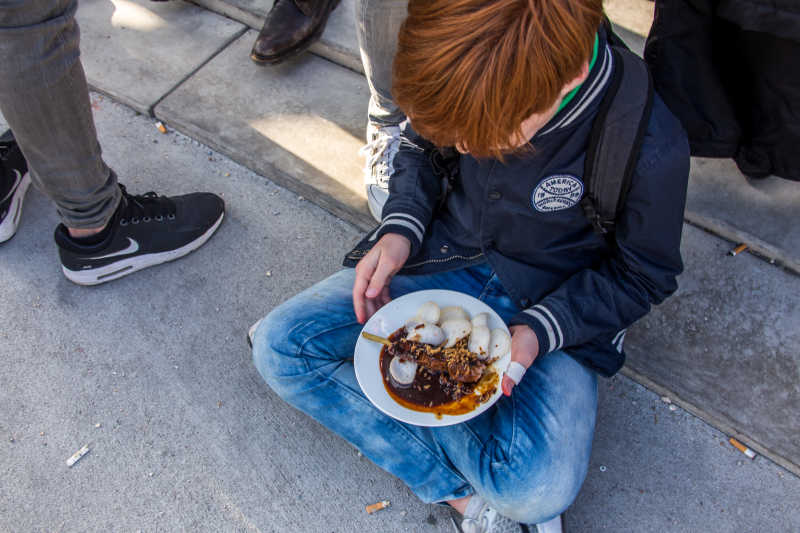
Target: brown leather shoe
[291,27]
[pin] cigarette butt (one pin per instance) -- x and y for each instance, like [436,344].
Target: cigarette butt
[739,249]
[742,448]
[161,127]
[80,453]
[377,506]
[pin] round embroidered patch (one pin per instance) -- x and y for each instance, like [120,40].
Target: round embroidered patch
[560,191]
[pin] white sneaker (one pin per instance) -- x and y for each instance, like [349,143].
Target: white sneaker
[551,526]
[382,145]
[481,518]
[252,332]
[13,185]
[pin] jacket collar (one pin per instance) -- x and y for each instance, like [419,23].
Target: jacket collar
[591,91]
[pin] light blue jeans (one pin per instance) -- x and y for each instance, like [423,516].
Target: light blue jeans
[527,455]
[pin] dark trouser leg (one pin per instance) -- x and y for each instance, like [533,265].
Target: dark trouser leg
[45,100]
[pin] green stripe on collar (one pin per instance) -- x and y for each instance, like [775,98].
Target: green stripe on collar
[567,99]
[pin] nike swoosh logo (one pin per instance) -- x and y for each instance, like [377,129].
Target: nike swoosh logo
[132,248]
[14,188]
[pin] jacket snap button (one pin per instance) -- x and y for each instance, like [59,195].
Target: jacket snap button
[489,245]
[495,195]
[525,302]
[444,249]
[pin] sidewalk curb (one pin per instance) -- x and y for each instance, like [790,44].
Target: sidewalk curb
[361,220]
[716,421]
[737,235]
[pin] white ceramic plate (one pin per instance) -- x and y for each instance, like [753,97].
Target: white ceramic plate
[392,317]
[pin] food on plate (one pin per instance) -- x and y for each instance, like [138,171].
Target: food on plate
[479,342]
[451,313]
[429,312]
[454,330]
[458,363]
[480,319]
[445,368]
[403,370]
[499,343]
[418,330]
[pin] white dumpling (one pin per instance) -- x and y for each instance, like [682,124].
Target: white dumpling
[451,313]
[499,343]
[479,341]
[403,373]
[412,323]
[481,319]
[429,312]
[424,333]
[455,330]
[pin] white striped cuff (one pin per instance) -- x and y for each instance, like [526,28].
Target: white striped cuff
[401,219]
[555,336]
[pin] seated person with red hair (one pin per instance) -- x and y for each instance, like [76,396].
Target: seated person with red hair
[515,86]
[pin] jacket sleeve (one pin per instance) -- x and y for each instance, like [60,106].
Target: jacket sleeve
[644,268]
[414,190]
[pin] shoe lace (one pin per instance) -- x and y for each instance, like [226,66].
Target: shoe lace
[146,207]
[380,152]
[6,149]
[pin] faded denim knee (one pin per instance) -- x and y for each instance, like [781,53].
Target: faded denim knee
[539,495]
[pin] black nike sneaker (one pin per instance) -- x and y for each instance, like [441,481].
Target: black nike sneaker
[14,183]
[147,230]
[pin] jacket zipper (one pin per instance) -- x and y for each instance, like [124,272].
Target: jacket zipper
[443,260]
[353,256]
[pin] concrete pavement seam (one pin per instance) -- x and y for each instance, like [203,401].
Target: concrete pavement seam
[226,44]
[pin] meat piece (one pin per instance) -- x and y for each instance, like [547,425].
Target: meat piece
[465,372]
[418,353]
[457,362]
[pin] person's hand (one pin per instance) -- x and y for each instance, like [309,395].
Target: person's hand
[524,349]
[374,273]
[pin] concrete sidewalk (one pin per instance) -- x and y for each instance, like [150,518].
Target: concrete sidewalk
[301,124]
[725,348]
[153,373]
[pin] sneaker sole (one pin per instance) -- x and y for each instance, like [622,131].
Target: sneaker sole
[251,333]
[134,264]
[9,226]
[372,200]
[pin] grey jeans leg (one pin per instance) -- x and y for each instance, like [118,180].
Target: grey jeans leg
[45,100]
[378,22]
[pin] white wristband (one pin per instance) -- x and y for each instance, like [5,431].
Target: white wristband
[515,371]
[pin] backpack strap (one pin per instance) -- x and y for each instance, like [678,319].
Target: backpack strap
[446,164]
[615,140]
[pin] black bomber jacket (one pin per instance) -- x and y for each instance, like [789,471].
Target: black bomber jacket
[579,291]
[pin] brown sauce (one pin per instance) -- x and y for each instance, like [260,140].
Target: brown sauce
[427,395]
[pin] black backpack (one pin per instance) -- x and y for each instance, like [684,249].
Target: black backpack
[614,142]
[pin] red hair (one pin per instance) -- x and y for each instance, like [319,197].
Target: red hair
[469,72]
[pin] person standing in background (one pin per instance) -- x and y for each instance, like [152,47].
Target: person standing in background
[730,71]
[106,232]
